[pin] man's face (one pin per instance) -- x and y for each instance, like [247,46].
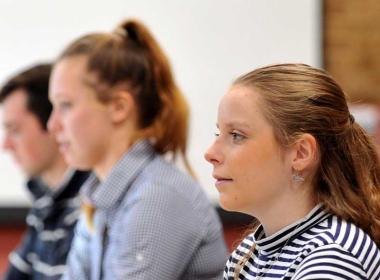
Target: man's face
[32,147]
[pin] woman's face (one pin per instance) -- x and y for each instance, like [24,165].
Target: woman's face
[252,171]
[80,122]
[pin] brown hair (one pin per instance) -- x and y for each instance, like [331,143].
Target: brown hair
[131,57]
[35,82]
[296,99]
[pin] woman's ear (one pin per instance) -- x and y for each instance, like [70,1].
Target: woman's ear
[305,152]
[121,106]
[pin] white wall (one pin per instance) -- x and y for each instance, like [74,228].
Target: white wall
[209,42]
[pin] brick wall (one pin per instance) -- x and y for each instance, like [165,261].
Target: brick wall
[352,46]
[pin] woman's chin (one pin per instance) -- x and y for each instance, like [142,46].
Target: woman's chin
[75,162]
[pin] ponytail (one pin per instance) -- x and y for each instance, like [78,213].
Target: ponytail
[130,56]
[170,127]
[349,180]
[296,99]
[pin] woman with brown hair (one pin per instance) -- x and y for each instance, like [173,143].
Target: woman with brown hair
[118,111]
[289,153]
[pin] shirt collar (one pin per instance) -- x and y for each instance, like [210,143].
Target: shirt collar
[69,174]
[38,188]
[275,242]
[105,194]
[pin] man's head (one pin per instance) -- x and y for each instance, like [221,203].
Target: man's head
[25,112]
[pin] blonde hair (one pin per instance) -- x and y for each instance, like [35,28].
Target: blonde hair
[296,99]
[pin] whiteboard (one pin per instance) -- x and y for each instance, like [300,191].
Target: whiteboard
[209,43]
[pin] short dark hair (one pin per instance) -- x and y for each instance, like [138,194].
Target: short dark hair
[35,82]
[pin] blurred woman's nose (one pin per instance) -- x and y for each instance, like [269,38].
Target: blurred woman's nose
[7,142]
[213,155]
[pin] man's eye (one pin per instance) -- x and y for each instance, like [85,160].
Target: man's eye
[12,130]
[64,105]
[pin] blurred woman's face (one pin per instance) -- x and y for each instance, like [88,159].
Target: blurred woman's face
[79,121]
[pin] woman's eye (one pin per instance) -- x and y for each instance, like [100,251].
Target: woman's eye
[217,134]
[237,136]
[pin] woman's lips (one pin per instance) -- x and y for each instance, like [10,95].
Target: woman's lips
[220,180]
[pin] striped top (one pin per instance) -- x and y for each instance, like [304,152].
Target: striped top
[319,246]
[50,228]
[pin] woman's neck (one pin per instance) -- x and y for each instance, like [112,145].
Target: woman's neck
[284,212]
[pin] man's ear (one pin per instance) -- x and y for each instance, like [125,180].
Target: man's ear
[305,152]
[121,106]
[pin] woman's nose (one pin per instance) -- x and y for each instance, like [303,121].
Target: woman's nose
[213,155]
[53,122]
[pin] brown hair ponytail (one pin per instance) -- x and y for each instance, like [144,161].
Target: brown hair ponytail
[130,57]
[296,99]
[349,179]
[169,129]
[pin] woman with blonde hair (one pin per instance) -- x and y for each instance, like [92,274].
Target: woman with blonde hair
[118,111]
[289,153]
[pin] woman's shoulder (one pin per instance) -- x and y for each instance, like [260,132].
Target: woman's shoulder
[338,244]
[345,234]
[161,185]
[163,176]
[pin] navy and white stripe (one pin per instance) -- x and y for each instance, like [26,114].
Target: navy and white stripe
[320,246]
[42,253]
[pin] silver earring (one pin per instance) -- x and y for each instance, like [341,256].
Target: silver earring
[297,178]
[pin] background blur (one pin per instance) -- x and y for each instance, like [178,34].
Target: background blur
[209,43]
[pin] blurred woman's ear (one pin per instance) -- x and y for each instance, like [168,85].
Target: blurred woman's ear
[122,106]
